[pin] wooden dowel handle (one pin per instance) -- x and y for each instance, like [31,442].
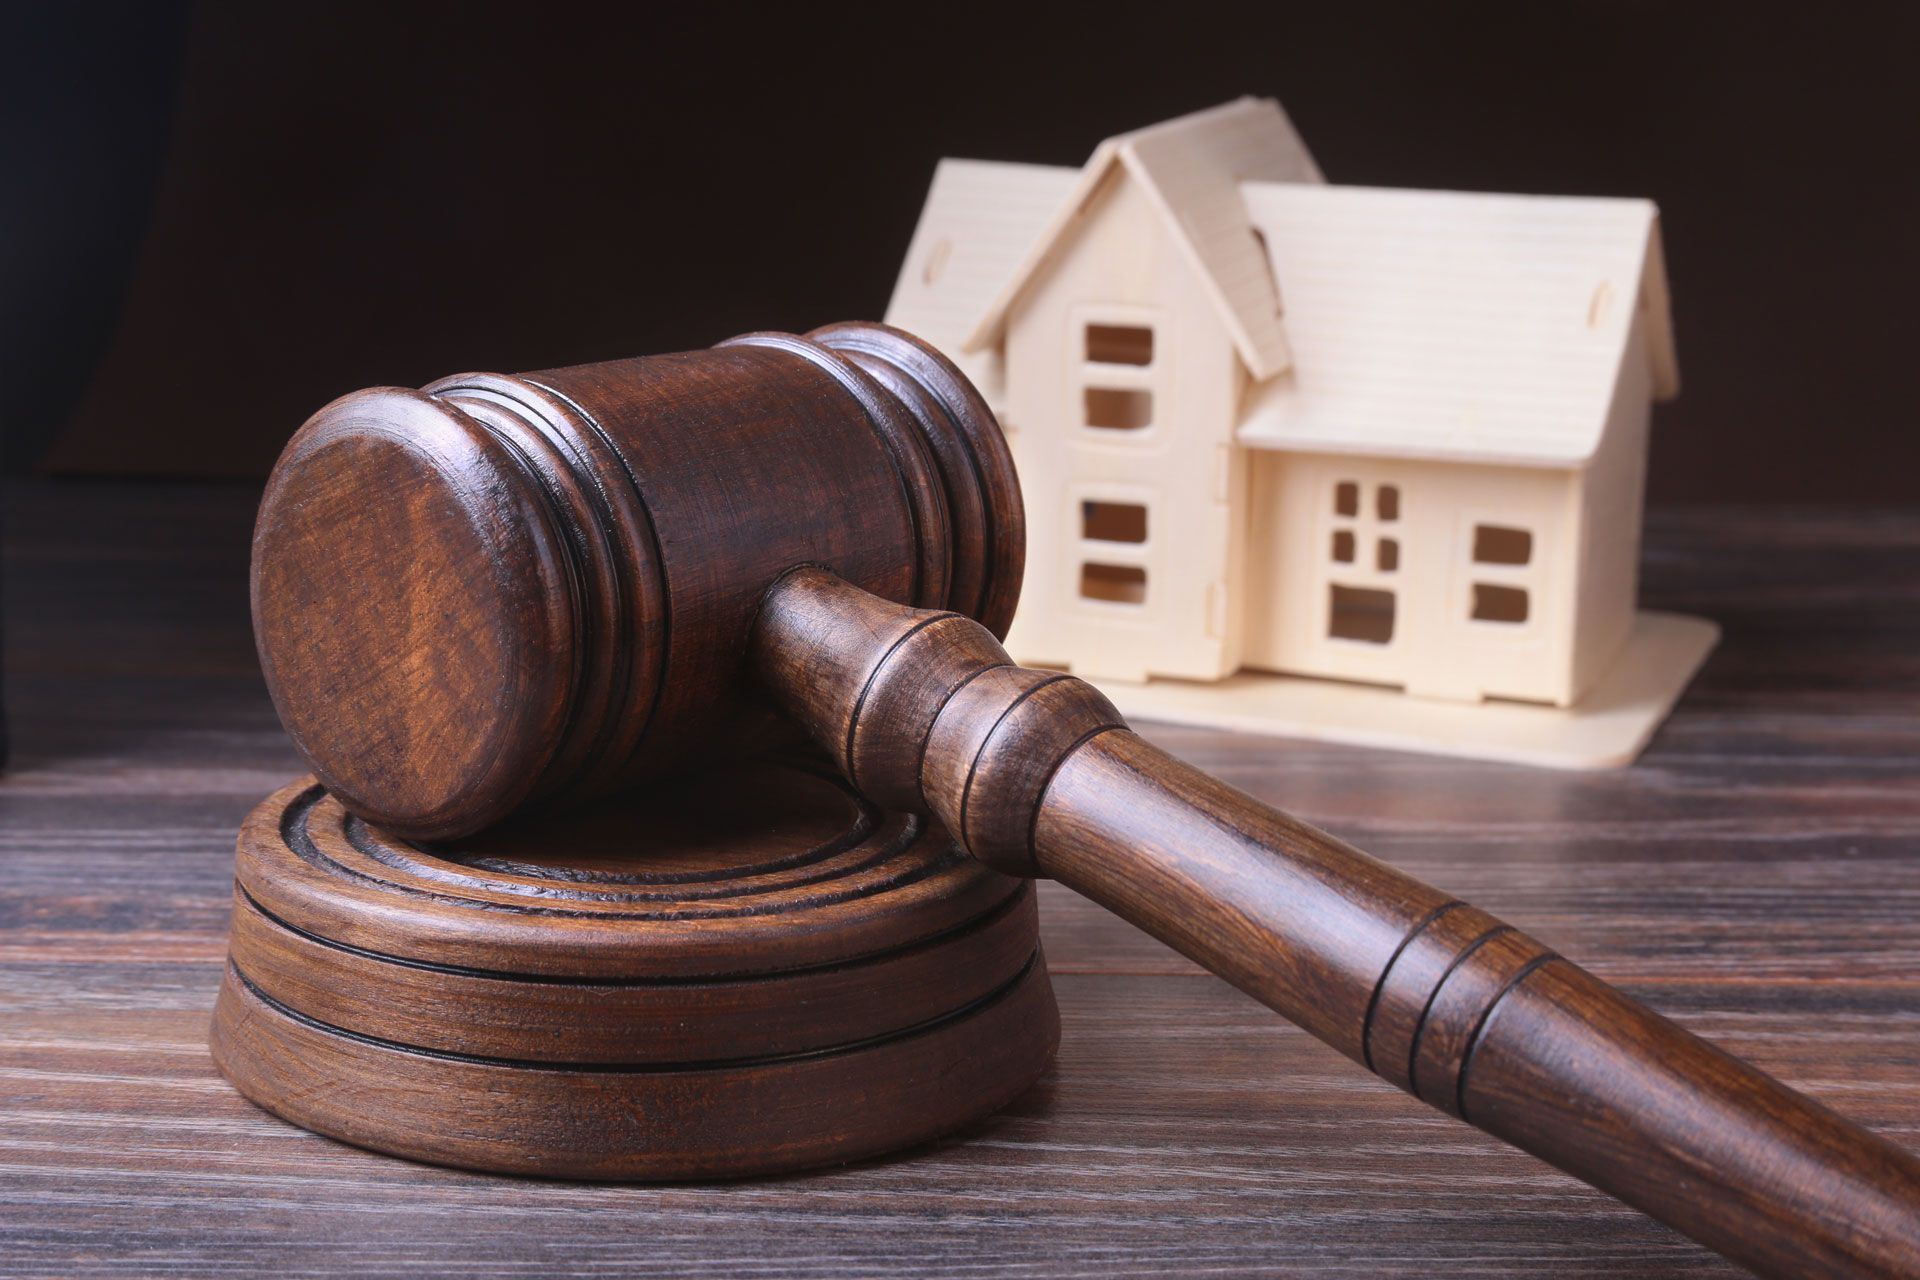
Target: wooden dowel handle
[1035,773]
[1479,1019]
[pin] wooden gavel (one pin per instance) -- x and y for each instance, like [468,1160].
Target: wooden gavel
[510,591]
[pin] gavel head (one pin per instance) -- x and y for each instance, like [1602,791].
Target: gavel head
[500,590]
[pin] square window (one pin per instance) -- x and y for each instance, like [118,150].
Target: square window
[1386,556]
[1346,498]
[1113,521]
[1119,344]
[1119,409]
[1500,544]
[1494,603]
[1360,613]
[1387,502]
[1114,583]
[1343,545]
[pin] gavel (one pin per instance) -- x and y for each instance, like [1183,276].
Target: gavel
[500,594]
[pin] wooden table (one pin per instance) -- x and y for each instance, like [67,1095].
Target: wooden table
[1757,875]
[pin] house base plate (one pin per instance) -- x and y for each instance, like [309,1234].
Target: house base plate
[1605,730]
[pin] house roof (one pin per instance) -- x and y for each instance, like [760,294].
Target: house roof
[1191,169]
[979,221]
[1421,323]
[1456,326]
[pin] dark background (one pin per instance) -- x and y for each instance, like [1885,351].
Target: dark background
[217,217]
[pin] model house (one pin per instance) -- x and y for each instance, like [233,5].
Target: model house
[1268,424]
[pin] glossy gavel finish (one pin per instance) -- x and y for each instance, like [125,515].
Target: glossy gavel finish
[1038,775]
[501,590]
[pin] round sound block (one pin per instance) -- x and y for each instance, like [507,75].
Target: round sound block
[750,972]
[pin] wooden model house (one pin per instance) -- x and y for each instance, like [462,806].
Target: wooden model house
[1269,425]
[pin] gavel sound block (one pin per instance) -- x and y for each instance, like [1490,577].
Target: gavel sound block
[518,593]
[743,972]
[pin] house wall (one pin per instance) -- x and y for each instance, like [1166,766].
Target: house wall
[1123,268]
[1611,501]
[1435,646]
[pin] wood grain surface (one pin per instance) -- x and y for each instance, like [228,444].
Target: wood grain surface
[1757,875]
[505,590]
[746,972]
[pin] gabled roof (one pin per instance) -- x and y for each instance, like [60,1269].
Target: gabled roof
[1451,325]
[1421,323]
[980,220]
[1191,170]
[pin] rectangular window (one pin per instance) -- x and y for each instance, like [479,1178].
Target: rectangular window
[1119,344]
[1117,374]
[1113,521]
[1358,540]
[1114,583]
[1360,613]
[1500,544]
[1119,408]
[1494,603]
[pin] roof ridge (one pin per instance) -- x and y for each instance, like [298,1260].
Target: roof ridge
[1249,308]
[1193,119]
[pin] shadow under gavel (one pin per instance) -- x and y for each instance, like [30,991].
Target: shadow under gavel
[504,592]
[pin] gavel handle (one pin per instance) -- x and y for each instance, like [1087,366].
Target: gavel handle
[1035,773]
